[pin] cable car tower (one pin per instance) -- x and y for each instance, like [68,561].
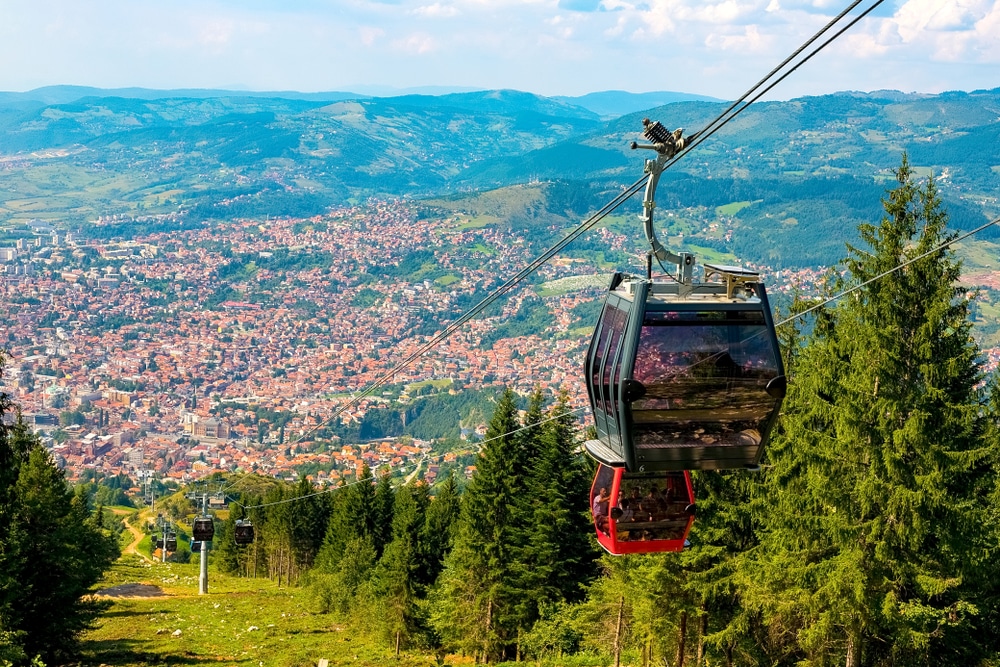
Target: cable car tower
[683,374]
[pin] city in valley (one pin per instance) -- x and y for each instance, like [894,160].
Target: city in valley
[173,351]
[182,352]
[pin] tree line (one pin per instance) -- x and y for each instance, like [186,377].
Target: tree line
[489,561]
[53,547]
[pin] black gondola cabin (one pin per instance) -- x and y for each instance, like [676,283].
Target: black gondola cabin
[684,377]
[243,534]
[203,529]
[642,512]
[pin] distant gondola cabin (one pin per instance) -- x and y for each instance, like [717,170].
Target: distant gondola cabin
[244,532]
[203,529]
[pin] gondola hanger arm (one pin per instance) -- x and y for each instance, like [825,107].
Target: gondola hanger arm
[666,144]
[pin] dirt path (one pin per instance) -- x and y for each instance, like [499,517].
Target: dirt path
[137,534]
[132,591]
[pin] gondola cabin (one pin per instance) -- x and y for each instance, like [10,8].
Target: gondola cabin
[243,534]
[203,529]
[195,546]
[171,543]
[642,512]
[684,376]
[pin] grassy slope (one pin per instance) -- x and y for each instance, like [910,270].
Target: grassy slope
[215,628]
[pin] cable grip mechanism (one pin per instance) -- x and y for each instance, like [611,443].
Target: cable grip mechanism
[667,144]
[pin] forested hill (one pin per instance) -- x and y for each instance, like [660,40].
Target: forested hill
[801,174]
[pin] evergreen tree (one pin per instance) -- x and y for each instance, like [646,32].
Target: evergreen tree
[351,518]
[396,581]
[51,550]
[382,510]
[225,552]
[558,553]
[439,529]
[275,533]
[310,516]
[877,486]
[476,606]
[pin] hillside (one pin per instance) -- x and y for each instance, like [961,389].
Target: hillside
[157,617]
[783,187]
[809,169]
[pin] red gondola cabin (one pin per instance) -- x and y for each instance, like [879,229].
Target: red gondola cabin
[641,512]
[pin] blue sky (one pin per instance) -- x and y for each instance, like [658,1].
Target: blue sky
[549,47]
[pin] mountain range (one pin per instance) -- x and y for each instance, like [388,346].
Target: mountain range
[792,179]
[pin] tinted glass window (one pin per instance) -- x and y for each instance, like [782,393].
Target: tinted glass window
[705,375]
[598,346]
[704,345]
[616,325]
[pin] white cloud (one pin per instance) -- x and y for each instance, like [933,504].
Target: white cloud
[749,41]
[416,43]
[369,35]
[437,10]
[550,46]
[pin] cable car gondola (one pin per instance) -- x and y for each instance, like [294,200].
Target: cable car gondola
[243,534]
[682,374]
[171,543]
[203,529]
[641,512]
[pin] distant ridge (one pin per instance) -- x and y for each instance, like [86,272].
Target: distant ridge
[499,101]
[610,104]
[67,94]
[606,104]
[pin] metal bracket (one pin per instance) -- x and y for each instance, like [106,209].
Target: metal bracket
[666,144]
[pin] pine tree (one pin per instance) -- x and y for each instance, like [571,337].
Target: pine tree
[559,553]
[877,479]
[382,511]
[439,529]
[310,516]
[351,518]
[476,604]
[396,581]
[225,552]
[51,549]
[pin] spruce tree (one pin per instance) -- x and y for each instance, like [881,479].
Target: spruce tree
[395,580]
[476,604]
[51,550]
[876,485]
[439,529]
[559,552]
[351,518]
[309,518]
[382,511]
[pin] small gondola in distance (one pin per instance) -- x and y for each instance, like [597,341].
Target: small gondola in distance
[641,512]
[243,533]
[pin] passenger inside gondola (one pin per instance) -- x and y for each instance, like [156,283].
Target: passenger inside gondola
[662,509]
[600,509]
